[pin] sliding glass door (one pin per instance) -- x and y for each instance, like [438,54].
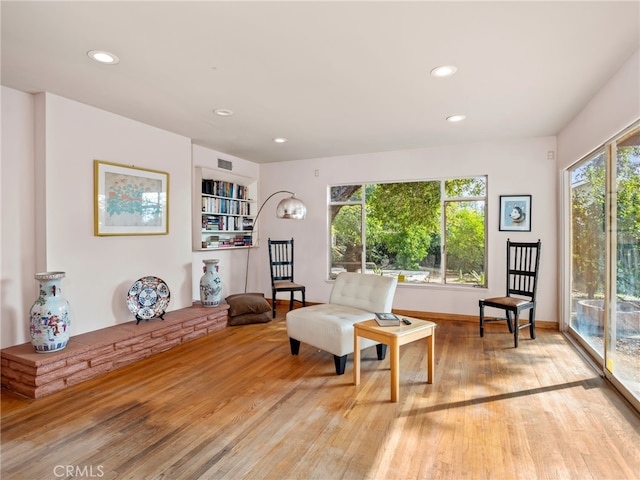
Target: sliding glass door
[605,259]
[624,360]
[588,250]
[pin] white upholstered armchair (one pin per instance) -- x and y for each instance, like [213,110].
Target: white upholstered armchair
[355,297]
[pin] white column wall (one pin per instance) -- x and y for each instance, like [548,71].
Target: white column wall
[18,289]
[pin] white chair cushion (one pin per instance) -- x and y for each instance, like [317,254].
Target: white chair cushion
[327,326]
[373,293]
[355,297]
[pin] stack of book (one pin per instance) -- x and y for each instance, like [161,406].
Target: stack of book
[210,223]
[213,242]
[387,319]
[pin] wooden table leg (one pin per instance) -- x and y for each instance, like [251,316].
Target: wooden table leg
[431,356]
[395,370]
[356,358]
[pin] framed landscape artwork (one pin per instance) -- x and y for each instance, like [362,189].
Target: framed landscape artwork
[130,200]
[515,213]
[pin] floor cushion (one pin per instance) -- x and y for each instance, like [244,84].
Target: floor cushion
[245,308]
[247,318]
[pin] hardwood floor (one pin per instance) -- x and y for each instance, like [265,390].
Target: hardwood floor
[237,405]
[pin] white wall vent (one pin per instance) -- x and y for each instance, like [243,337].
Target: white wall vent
[225,164]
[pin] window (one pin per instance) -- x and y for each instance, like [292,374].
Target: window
[398,229]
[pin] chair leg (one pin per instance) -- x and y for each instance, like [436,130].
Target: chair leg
[509,321]
[516,329]
[481,319]
[295,346]
[304,304]
[532,323]
[341,363]
[291,301]
[381,350]
[273,302]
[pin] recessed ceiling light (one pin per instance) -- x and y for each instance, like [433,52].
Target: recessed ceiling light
[444,71]
[223,112]
[280,140]
[456,118]
[103,57]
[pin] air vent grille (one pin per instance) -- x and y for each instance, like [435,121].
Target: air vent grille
[225,164]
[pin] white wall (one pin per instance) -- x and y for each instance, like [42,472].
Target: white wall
[18,289]
[514,167]
[612,109]
[69,136]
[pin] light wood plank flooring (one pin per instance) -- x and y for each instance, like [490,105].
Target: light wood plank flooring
[236,405]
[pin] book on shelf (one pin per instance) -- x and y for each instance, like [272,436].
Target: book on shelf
[211,223]
[247,224]
[387,319]
[213,242]
[221,188]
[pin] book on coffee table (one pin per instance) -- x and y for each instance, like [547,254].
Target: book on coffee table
[387,319]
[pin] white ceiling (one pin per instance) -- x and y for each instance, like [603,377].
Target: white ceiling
[335,78]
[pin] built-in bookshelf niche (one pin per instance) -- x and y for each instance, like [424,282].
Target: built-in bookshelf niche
[226,209]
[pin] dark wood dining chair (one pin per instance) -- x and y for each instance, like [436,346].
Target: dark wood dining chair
[281,265]
[523,263]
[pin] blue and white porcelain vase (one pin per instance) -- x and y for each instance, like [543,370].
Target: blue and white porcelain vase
[210,284]
[49,318]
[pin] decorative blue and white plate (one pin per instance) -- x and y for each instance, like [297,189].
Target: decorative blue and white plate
[148,298]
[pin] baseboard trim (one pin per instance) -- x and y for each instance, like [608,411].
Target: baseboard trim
[439,316]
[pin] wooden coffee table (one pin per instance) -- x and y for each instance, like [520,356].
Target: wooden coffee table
[394,337]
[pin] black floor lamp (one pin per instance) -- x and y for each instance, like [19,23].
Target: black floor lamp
[290,208]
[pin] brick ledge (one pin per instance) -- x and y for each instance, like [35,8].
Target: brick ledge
[91,354]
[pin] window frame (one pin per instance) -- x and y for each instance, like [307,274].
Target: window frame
[443,201]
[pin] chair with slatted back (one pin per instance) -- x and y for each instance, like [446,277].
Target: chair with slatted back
[281,263]
[523,263]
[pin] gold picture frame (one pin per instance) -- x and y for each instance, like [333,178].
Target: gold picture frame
[129,200]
